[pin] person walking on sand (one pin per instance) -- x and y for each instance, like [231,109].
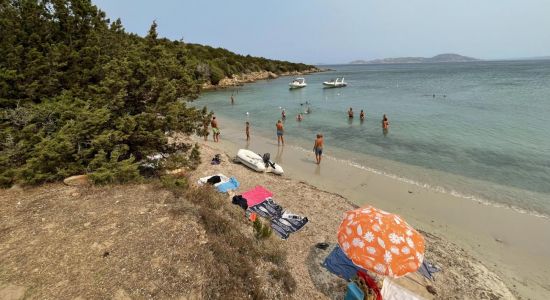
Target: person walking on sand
[280,132]
[350,113]
[318,147]
[215,130]
[247,131]
[362,115]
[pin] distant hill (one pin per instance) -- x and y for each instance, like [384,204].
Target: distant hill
[441,58]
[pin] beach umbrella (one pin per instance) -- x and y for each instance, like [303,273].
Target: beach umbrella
[381,242]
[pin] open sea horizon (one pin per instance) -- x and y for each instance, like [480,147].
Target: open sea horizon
[477,130]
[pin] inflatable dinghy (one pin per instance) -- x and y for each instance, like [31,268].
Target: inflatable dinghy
[258,163]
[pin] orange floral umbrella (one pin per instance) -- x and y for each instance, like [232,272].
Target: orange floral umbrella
[381,242]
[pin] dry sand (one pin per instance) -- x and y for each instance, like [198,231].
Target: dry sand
[462,276]
[514,246]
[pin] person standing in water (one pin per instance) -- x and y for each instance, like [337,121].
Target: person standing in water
[350,113]
[280,132]
[362,115]
[215,130]
[247,131]
[385,125]
[385,122]
[232,99]
[318,147]
[283,114]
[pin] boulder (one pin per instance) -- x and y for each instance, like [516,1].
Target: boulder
[78,180]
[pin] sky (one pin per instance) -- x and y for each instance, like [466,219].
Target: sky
[322,31]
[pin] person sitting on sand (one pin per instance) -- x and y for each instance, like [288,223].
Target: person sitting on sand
[350,113]
[362,115]
[299,118]
[215,130]
[247,131]
[318,148]
[280,132]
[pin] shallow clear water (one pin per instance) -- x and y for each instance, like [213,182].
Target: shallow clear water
[485,134]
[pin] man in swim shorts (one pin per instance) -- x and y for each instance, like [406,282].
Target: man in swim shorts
[350,113]
[215,129]
[318,148]
[280,132]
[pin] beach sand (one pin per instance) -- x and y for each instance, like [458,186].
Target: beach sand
[481,248]
[462,276]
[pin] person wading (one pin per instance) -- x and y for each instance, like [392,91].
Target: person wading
[280,132]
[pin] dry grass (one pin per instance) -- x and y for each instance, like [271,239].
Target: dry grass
[139,241]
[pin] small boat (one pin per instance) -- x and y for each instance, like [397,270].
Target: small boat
[335,83]
[257,162]
[297,83]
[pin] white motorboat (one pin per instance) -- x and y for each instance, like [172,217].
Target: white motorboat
[335,83]
[257,162]
[298,83]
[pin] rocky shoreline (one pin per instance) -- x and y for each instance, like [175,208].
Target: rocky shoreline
[241,79]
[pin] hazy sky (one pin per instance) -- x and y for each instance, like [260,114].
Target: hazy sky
[338,31]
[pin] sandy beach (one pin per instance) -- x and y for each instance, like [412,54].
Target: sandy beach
[467,238]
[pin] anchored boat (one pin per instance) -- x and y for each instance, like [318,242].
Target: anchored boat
[297,83]
[335,83]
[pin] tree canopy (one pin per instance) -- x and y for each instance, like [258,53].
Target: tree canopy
[78,94]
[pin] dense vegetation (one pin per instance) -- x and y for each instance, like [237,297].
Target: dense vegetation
[80,95]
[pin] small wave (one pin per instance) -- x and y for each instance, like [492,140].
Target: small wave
[435,188]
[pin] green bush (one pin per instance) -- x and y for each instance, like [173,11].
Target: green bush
[261,231]
[80,95]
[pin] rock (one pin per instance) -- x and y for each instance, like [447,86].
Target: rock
[431,290]
[16,188]
[177,172]
[78,180]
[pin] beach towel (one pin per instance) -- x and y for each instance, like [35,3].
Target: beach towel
[393,291]
[230,185]
[282,222]
[427,269]
[267,208]
[338,263]
[204,180]
[256,195]
[285,226]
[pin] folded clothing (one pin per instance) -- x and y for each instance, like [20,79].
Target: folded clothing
[240,201]
[232,184]
[256,195]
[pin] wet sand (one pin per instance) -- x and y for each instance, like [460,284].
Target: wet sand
[515,246]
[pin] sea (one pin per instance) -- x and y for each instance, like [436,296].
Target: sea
[477,130]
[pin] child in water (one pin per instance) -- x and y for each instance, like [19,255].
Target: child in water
[247,131]
[362,115]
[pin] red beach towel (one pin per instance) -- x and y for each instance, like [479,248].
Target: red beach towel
[256,195]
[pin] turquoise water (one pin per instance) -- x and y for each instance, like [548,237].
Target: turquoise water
[485,135]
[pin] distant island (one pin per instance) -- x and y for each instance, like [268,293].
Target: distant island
[441,58]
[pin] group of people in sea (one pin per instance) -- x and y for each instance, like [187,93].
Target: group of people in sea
[319,141]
